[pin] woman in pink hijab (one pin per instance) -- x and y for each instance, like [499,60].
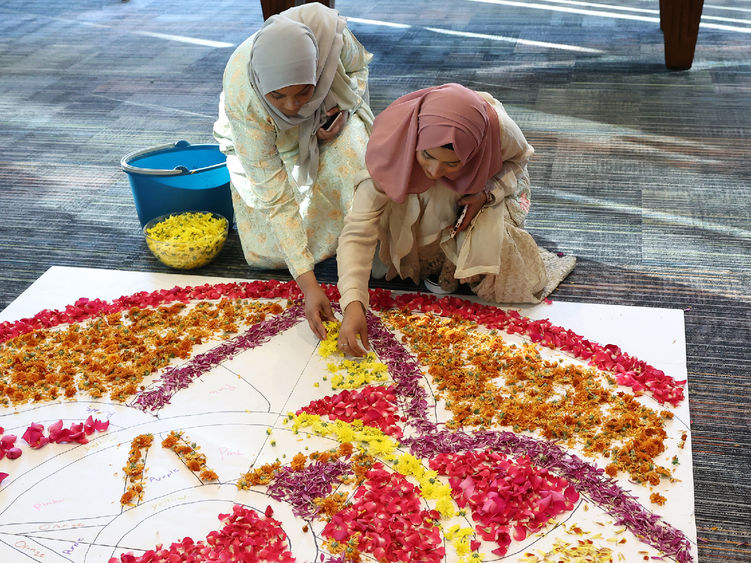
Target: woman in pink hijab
[444,196]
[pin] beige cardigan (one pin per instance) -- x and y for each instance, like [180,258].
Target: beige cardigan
[428,217]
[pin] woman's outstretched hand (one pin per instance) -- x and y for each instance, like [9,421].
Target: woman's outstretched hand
[354,324]
[474,203]
[317,304]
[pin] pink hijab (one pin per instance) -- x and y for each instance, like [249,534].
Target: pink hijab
[427,119]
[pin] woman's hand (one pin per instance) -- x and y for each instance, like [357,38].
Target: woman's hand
[474,203]
[336,128]
[354,324]
[317,305]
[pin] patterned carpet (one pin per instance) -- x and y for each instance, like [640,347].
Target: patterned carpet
[642,173]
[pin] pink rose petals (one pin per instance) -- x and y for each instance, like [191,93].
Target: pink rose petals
[77,431]
[509,499]
[93,425]
[34,435]
[8,448]
[60,435]
[585,477]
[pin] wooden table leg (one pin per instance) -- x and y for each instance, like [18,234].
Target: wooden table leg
[271,7]
[679,21]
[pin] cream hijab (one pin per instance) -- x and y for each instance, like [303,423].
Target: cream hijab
[299,46]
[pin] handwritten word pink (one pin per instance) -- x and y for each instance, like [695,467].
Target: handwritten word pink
[224,388]
[41,505]
[226,452]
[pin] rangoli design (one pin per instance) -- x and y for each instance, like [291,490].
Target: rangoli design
[205,423]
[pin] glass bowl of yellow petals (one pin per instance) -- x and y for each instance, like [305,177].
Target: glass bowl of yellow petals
[186,240]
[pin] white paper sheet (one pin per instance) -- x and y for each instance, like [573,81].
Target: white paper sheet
[62,502]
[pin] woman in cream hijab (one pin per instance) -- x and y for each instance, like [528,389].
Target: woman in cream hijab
[291,173]
[445,192]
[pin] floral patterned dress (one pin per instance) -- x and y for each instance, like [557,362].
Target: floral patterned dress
[280,223]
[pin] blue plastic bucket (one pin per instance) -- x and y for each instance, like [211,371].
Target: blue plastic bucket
[179,177]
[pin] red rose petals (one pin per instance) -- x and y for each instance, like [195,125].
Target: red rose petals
[85,308]
[386,521]
[246,536]
[374,405]
[508,499]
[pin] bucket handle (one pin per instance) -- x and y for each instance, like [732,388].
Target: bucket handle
[178,170]
[181,144]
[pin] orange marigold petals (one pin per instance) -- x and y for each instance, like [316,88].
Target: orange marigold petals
[485,381]
[657,498]
[134,469]
[111,354]
[189,454]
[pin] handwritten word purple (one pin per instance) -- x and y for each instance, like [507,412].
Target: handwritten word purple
[170,473]
[73,547]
